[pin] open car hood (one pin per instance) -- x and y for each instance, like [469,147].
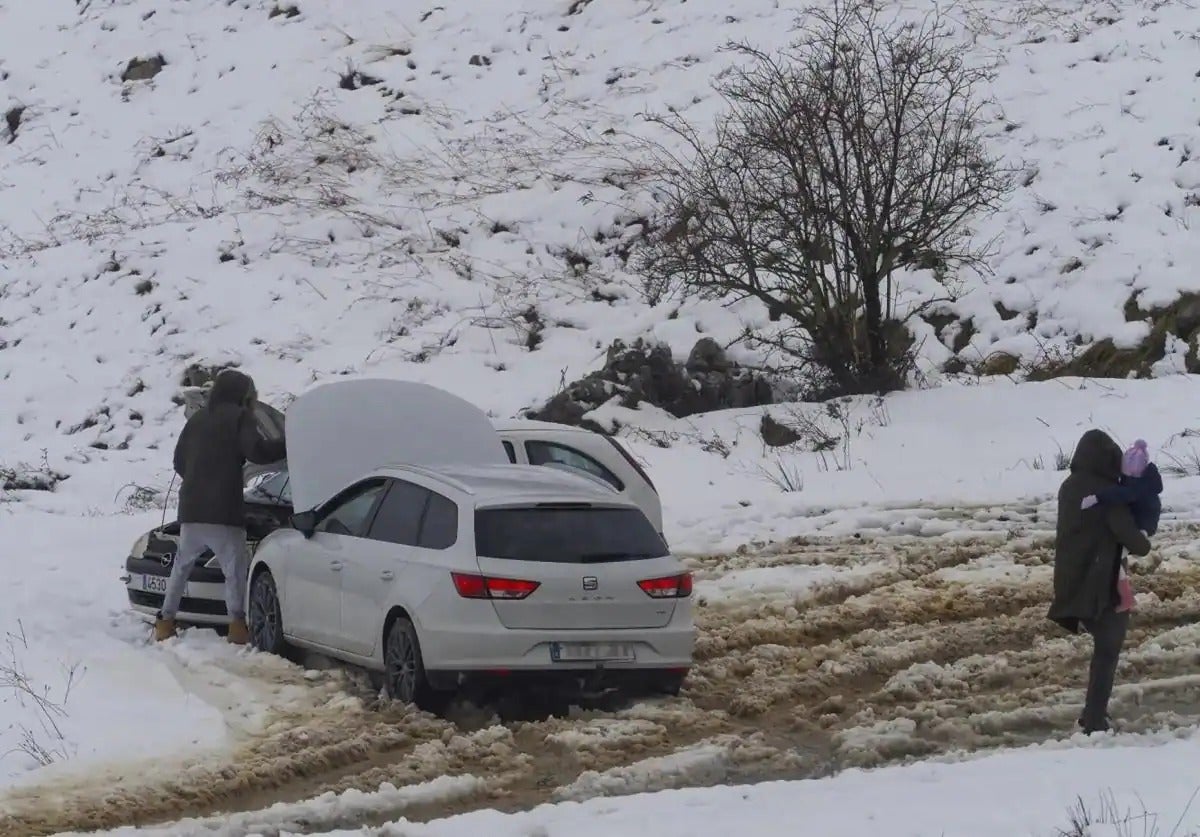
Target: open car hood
[342,430]
[268,420]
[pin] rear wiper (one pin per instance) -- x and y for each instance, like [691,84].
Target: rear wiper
[599,557]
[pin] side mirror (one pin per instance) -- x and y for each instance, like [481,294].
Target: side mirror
[305,523]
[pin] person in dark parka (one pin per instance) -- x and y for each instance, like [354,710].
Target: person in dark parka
[1087,557]
[211,452]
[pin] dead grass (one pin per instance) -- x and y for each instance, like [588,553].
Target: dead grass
[1127,822]
[26,477]
[1184,464]
[45,742]
[786,476]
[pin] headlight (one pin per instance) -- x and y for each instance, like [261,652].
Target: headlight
[139,546]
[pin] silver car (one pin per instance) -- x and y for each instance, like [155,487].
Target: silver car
[457,569]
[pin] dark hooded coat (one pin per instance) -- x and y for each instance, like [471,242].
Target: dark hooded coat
[213,449]
[1088,543]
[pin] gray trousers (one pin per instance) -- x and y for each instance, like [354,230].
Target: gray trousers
[228,544]
[1108,637]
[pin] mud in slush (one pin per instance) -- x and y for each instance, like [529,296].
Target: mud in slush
[919,652]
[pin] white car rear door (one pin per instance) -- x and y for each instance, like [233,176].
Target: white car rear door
[404,558]
[378,562]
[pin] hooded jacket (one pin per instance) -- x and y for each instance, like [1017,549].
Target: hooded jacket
[1088,542]
[213,449]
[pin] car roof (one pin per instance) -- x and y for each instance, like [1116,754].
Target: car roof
[491,483]
[509,425]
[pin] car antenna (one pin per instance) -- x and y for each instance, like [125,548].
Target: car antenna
[165,499]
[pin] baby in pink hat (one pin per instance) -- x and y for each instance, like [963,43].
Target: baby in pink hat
[1140,487]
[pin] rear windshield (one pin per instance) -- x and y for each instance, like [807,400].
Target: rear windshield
[561,535]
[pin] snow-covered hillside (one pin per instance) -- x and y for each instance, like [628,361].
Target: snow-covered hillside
[306,189]
[441,192]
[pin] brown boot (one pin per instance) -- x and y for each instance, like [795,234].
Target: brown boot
[238,633]
[163,629]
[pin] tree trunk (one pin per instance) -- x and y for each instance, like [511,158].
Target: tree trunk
[876,340]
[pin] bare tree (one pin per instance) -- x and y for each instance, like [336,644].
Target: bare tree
[852,156]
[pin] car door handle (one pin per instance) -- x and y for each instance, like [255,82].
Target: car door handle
[387,575]
[336,566]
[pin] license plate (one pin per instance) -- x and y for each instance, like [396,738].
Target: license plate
[154,583]
[591,652]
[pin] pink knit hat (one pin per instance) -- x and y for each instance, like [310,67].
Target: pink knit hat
[1135,460]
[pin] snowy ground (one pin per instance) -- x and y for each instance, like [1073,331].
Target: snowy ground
[1036,792]
[890,606]
[185,218]
[1024,792]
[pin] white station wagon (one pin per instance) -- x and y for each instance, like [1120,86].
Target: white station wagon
[420,551]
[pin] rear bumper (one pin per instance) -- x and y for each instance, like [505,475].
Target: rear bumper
[574,681]
[528,651]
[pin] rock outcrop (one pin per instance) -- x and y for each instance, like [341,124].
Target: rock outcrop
[646,373]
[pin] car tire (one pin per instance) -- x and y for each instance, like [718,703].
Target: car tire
[404,677]
[528,707]
[266,616]
[668,684]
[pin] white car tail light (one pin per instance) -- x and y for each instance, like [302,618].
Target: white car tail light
[668,587]
[486,587]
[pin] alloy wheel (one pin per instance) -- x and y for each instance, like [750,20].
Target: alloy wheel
[401,666]
[264,614]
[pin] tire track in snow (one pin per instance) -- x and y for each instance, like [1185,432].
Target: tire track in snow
[939,646]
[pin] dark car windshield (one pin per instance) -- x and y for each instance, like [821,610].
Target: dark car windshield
[566,535]
[274,487]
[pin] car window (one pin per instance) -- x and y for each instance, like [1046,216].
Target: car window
[350,514]
[566,534]
[414,516]
[511,451]
[439,529]
[400,513]
[543,453]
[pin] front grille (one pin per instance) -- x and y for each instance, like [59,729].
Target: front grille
[153,566]
[208,607]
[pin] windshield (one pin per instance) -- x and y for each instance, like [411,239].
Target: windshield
[566,535]
[270,487]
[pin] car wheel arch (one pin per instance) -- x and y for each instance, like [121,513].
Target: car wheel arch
[258,569]
[394,614]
